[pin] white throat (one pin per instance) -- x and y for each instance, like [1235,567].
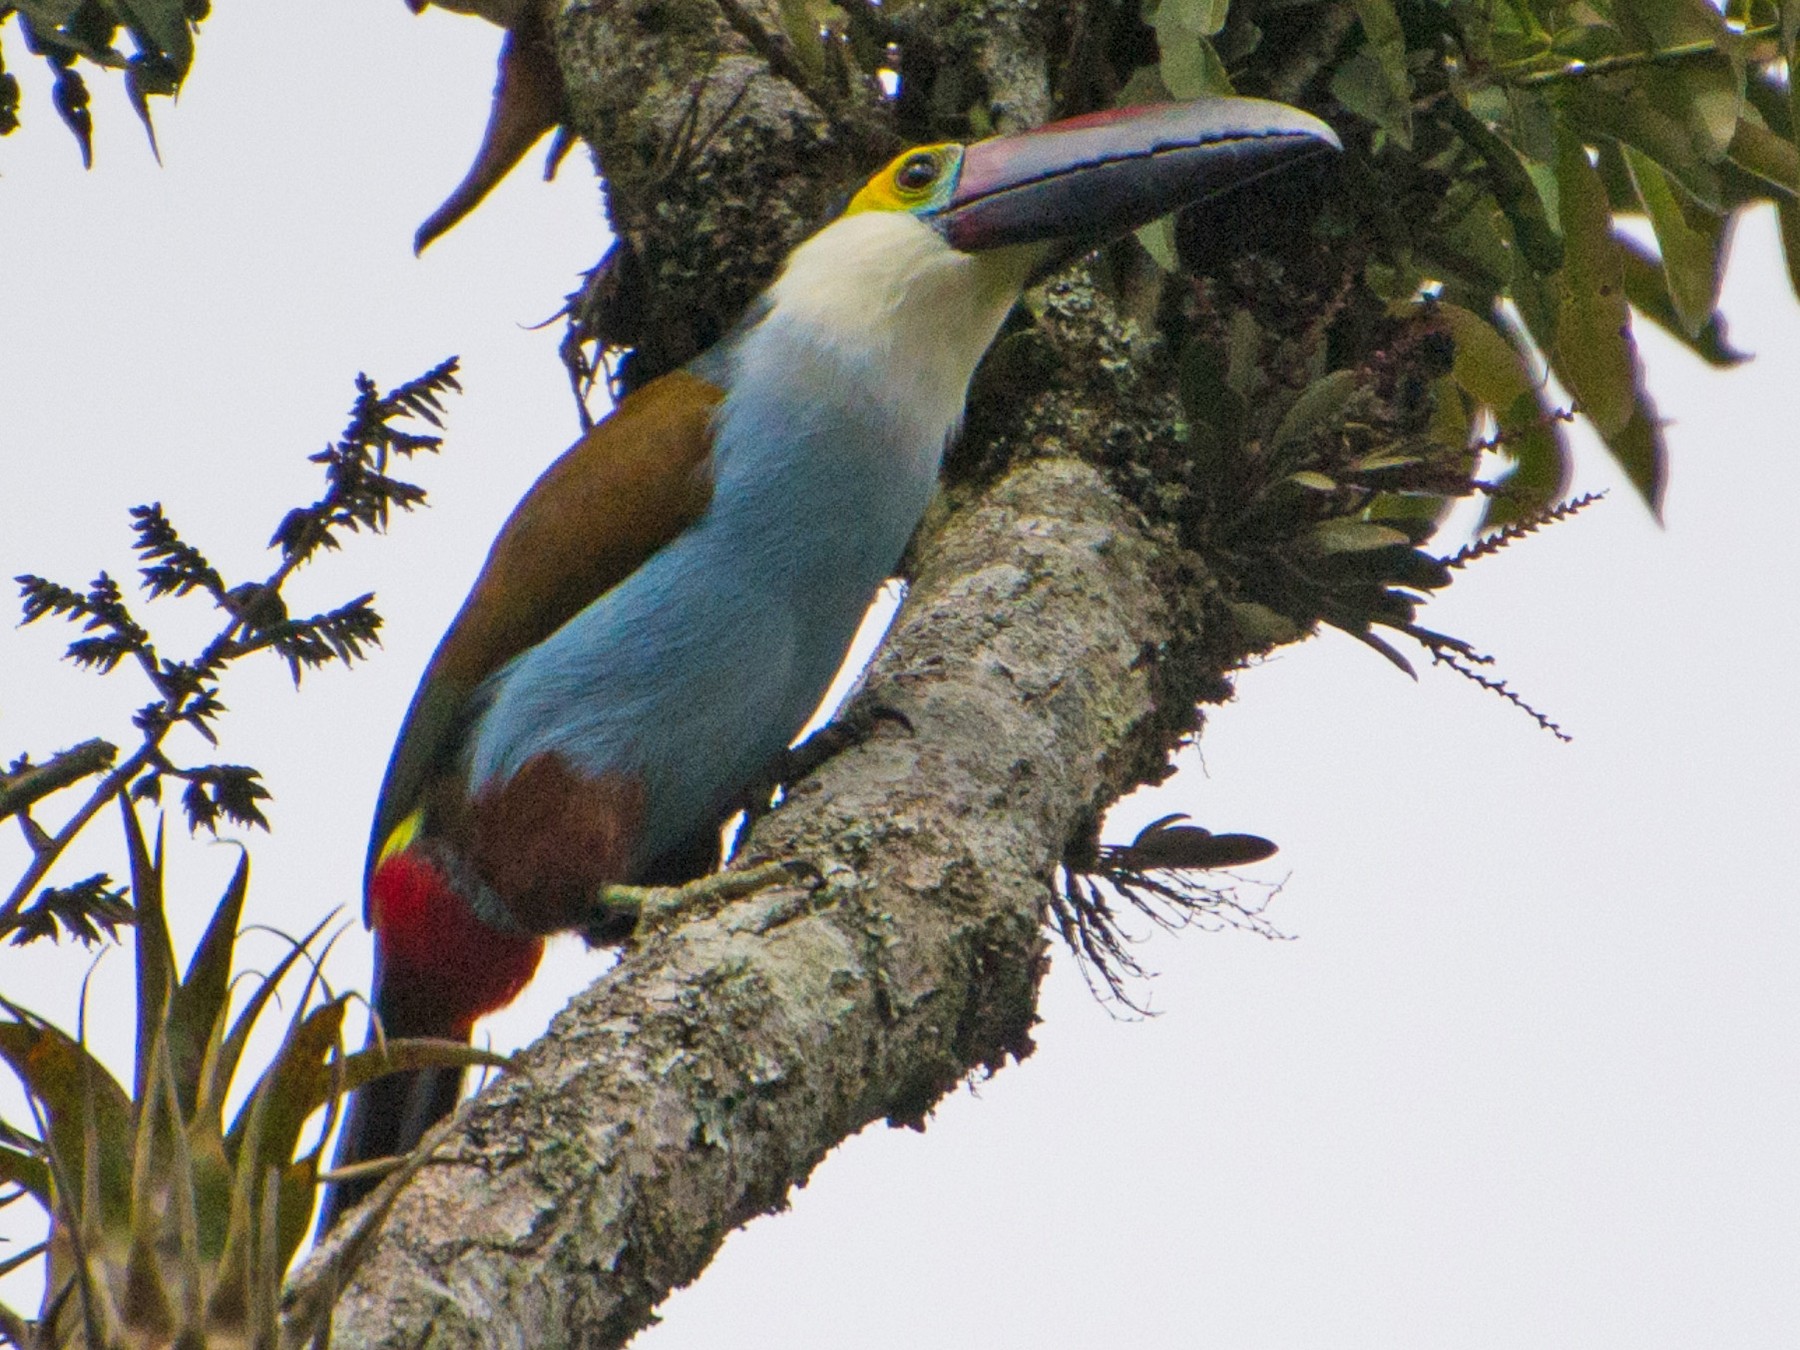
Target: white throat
[883,290]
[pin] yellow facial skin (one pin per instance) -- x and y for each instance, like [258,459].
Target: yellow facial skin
[920,180]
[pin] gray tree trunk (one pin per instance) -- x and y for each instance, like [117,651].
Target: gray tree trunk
[1048,655]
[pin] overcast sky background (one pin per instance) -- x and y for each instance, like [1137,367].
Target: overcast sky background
[1526,1075]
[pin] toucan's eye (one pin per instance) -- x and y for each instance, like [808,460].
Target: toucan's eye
[916,173]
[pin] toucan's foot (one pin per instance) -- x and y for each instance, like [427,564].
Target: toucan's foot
[632,913]
[856,725]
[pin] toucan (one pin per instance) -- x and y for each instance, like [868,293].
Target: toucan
[663,611]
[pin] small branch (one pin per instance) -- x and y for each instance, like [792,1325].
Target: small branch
[47,855]
[31,783]
[1609,65]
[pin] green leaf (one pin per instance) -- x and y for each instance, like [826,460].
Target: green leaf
[1158,239]
[1594,355]
[81,1102]
[1641,452]
[1311,478]
[1788,213]
[225,1049]
[1259,625]
[1690,240]
[1506,177]
[1189,65]
[1202,18]
[1647,288]
[1319,403]
[1451,421]
[1487,365]
[1145,85]
[1385,40]
[163,22]
[1588,42]
[1539,452]
[31,1174]
[1208,398]
[268,1128]
[1363,86]
[47,14]
[1243,354]
[199,1003]
[1353,536]
[404,1056]
[1772,158]
[1627,115]
[155,952]
[1705,93]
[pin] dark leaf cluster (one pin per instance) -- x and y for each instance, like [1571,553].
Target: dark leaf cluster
[228,791]
[87,911]
[359,493]
[255,618]
[100,610]
[339,635]
[171,565]
[62,34]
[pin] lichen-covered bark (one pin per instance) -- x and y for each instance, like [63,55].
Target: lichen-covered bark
[1051,650]
[722,1059]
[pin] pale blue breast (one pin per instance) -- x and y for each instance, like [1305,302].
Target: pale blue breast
[702,665]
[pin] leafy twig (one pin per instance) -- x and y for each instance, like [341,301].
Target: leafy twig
[1611,65]
[360,495]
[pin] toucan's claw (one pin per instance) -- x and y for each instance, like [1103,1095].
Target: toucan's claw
[856,725]
[634,913]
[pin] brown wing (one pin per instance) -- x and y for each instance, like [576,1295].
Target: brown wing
[615,497]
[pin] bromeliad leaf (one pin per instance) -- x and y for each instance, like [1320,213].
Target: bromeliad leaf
[1319,404]
[1354,536]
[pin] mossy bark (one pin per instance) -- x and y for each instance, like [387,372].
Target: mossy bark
[1056,638]
[711,1071]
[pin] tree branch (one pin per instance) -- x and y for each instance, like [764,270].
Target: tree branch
[33,782]
[712,1070]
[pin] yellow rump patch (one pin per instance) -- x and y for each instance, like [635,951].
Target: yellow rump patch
[402,835]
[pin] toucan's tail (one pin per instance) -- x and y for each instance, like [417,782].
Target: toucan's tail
[387,1119]
[437,969]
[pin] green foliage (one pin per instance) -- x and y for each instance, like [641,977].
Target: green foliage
[173,1221]
[65,32]
[1496,150]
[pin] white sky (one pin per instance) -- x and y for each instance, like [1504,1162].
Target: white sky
[1527,1076]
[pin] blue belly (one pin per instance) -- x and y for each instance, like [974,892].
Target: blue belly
[699,668]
